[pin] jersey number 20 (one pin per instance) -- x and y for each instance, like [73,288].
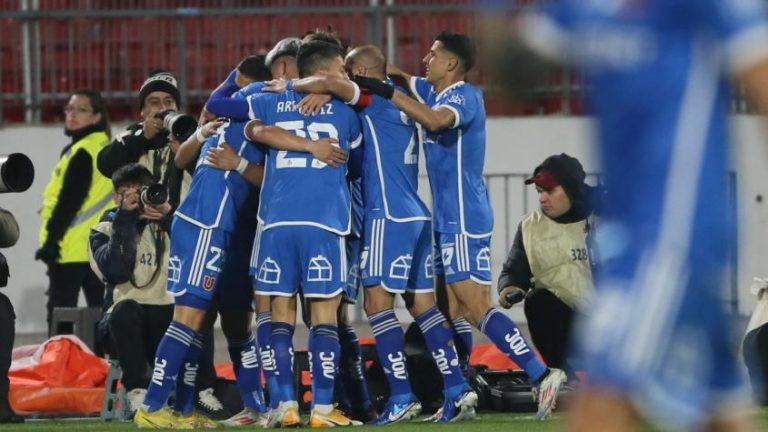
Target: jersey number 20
[313,131]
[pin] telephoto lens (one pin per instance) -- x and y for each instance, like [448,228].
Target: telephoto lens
[180,126]
[154,195]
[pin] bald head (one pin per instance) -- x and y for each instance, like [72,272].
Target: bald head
[367,60]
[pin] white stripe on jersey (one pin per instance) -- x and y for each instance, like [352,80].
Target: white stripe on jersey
[661,274]
[255,248]
[198,264]
[343,255]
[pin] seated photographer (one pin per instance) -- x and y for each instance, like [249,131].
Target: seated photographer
[148,141]
[549,264]
[128,249]
[9,234]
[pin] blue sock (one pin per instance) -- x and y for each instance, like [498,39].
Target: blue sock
[352,369]
[503,332]
[185,383]
[263,336]
[462,340]
[324,361]
[438,335]
[170,355]
[248,373]
[390,348]
[282,347]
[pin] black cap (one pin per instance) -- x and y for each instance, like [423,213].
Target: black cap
[161,81]
[565,170]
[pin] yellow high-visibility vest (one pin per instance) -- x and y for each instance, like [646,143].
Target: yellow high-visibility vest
[559,258]
[74,244]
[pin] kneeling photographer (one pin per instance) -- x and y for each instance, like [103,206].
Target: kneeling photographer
[153,141]
[128,249]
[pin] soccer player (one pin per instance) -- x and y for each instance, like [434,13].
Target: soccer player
[202,234]
[655,343]
[452,117]
[301,239]
[396,256]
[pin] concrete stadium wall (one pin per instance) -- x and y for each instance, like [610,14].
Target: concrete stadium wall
[515,146]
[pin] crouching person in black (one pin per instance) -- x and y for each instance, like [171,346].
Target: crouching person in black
[9,234]
[128,249]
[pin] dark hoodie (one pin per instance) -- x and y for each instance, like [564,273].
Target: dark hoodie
[568,172]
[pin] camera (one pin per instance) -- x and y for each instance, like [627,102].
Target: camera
[180,126]
[153,195]
[16,173]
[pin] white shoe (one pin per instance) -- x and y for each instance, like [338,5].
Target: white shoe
[548,391]
[209,405]
[246,417]
[135,398]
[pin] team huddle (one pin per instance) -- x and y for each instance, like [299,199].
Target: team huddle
[306,192]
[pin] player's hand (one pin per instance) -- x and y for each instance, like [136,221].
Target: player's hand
[327,150]
[223,157]
[375,86]
[313,103]
[276,86]
[155,212]
[517,293]
[129,200]
[205,117]
[152,125]
[212,126]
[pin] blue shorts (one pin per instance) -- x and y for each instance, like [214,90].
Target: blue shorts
[459,257]
[657,332]
[352,289]
[234,290]
[197,256]
[397,255]
[306,257]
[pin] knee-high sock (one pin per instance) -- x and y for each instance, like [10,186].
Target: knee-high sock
[171,353]
[352,368]
[282,346]
[390,348]
[185,382]
[508,338]
[248,372]
[437,334]
[462,340]
[324,350]
[263,337]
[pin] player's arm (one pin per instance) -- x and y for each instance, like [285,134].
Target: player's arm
[224,157]
[324,149]
[189,150]
[344,89]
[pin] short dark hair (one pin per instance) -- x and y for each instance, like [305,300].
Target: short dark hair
[132,173]
[327,35]
[99,107]
[254,67]
[312,56]
[460,45]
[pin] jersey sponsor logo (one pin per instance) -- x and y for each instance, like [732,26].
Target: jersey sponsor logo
[174,269]
[516,342]
[158,372]
[483,259]
[269,271]
[319,269]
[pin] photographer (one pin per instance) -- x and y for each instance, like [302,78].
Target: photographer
[148,142]
[128,249]
[9,234]
[549,264]
[73,201]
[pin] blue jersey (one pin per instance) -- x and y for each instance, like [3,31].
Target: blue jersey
[250,89]
[298,189]
[216,196]
[455,159]
[660,63]
[391,163]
